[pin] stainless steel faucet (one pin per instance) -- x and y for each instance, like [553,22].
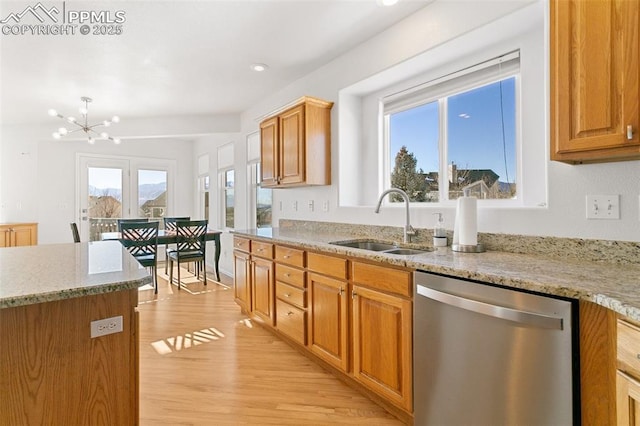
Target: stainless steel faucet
[408,229]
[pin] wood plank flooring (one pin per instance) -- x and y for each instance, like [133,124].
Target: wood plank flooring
[202,362]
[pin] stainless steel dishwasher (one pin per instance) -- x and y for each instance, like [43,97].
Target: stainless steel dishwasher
[485,355]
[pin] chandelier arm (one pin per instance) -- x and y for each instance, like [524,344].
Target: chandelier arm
[94,125]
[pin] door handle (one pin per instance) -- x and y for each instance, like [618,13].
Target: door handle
[496,311]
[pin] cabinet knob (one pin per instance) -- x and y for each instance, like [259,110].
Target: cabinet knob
[341,292]
[629,132]
[287,295]
[289,313]
[353,294]
[287,275]
[286,256]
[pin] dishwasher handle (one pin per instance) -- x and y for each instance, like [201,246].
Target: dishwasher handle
[521,317]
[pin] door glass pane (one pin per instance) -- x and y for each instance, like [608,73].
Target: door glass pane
[105,200]
[152,193]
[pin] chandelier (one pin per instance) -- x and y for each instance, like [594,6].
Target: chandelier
[83,124]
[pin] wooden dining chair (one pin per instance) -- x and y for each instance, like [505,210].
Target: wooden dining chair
[170,226]
[141,239]
[191,247]
[131,220]
[74,232]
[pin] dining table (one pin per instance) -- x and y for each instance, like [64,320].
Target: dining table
[171,237]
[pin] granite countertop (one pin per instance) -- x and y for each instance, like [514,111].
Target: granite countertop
[614,286]
[45,273]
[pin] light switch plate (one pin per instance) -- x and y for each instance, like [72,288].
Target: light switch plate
[603,206]
[106,326]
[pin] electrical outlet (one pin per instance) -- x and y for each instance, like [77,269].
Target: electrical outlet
[603,206]
[295,206]
[106,326]
[310,205]
[325,206]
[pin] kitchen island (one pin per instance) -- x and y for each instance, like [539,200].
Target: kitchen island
[51,368]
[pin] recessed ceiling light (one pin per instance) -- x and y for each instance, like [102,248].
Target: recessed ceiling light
[259,67]
[387,2]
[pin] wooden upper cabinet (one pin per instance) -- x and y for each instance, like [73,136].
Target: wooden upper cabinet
[595,77]
[269,151]
[295,145]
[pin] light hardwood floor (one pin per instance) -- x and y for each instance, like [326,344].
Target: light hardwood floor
[202,362]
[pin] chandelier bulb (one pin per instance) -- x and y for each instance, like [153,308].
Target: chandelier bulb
[71,119]
[63,131]
[106,123]
[117,141]
[115,119]
[56,135]
[104,135]
[53,112]
[91,140]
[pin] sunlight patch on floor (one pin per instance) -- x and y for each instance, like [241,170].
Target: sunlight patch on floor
[187,340]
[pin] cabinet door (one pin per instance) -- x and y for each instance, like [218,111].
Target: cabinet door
[595,79]
[328,329]
[292,145]
[5,233]
[628,400]
[269,151]
[241,280]
[382,337]
[23,235]
[262,289]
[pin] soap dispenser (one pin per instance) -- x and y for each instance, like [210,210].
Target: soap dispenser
[439,233]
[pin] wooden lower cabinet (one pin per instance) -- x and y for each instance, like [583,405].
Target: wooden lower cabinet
[382,338]
[627,400]
[242,274]
[18,234]
[262,289]
[328,319]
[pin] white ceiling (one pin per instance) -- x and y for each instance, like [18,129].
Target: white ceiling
[180,57]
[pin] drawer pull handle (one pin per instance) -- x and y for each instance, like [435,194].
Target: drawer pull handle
[638,356]
[286,256]
[289,313]
[287,295]
[287,275]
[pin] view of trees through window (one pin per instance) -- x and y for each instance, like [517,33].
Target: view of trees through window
[152,193]
[263,202]
[229,210]
[479,143]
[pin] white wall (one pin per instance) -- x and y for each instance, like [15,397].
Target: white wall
[438,28]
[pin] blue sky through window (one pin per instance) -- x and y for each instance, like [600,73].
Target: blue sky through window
[474,131]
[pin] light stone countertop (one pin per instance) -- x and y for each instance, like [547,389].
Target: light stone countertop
[615,286]
[45,273]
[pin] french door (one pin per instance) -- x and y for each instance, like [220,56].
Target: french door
[103,195]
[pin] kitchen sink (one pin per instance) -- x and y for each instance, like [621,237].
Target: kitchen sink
[366,245]
[405,251]
[379,247]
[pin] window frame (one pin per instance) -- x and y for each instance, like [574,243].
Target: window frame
[454,83]
[223,195]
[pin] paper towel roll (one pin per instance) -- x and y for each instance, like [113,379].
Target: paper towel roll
[466,225]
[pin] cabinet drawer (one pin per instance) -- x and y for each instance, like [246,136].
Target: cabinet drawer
[290,275]
[290,256]
[290,294]
[629,348]
[261,249]
[383,278]
[327,265]
[242,244]
[291,321]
